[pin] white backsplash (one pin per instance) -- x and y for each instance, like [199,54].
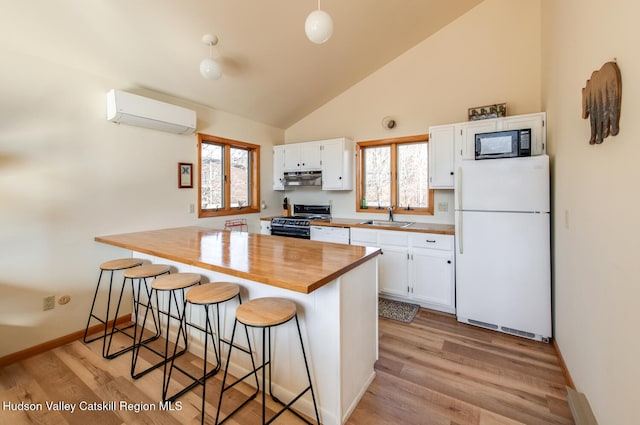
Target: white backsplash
[343,204]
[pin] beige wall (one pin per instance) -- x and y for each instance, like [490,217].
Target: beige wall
[67,175]
[595,203]
[486,56]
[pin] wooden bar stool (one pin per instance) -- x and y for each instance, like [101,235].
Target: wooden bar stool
[172,285]
[141,274]
[266,313]
[109,266]
[207,295]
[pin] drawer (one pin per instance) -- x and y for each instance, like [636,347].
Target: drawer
[364,237]
[390,237]
[432,241]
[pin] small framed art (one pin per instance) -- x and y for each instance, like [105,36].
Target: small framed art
[185,175]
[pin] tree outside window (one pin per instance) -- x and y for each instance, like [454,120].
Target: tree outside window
[229,176]
[394,173]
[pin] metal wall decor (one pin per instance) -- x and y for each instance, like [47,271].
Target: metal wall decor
[496,110]
[601,98]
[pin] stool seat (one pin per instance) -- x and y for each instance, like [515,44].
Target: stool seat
[212,293]
[148,270]
[261,312]
[121,263]
[173,281]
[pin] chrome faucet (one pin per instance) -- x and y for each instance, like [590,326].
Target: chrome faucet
[391,213]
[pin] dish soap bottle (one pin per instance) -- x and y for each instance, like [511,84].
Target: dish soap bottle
[363,204]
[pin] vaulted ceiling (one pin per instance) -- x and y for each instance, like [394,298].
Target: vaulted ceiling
[271,72]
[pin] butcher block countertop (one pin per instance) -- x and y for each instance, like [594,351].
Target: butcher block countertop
[442,229]
[296,264]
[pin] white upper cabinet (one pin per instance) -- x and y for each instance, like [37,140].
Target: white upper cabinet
[334,157]
[465,139]
[278,167]
[302,156]
[441,156]
[337,164]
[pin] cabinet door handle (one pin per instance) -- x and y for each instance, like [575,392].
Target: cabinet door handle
[448,261]
[431,241]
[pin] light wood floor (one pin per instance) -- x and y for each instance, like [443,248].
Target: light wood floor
[434,371]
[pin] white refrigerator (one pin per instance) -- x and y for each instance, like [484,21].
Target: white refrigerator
[503,253]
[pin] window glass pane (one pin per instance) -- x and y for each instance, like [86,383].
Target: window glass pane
[413,179]
[377,173]
[211,179]
[240,178]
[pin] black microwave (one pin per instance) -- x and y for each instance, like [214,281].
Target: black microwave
[503,144]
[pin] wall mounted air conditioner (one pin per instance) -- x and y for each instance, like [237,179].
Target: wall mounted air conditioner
[128,108]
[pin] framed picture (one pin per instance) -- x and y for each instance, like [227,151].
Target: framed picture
[488,111]
[185,175]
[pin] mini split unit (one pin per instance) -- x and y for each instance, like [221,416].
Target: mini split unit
[131,109]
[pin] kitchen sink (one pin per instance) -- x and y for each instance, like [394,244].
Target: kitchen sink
[387,223]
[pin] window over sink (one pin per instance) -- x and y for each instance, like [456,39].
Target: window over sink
[394,173]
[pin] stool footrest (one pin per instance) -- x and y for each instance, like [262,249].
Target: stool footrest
[156,365]
[196,381]
[111,356]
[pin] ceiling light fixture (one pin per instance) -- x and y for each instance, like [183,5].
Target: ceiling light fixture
[318,26]
[209,68]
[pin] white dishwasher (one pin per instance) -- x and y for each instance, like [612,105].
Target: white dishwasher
[330,234]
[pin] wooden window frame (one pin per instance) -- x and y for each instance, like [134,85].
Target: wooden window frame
[360,181]
[254,162]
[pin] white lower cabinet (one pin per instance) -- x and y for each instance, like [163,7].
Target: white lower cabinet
[414,266]
[432,278]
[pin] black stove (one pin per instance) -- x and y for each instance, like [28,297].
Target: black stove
[299,224]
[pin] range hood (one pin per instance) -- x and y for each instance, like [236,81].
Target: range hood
[302,178]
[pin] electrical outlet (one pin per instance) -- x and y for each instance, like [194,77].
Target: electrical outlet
[192,208]
[443,206]
[48,303]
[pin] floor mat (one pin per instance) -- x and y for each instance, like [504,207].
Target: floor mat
[397,310]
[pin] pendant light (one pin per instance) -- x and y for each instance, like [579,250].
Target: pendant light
[209,68]
[318,26]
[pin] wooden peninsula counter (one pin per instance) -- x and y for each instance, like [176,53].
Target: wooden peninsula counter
[335,288]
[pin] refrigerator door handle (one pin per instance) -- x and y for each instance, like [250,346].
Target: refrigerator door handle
[459,188]
[459,227]
[459,232]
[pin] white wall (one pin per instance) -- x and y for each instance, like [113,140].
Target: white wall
[67,175]
[595,203]
[486,56]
